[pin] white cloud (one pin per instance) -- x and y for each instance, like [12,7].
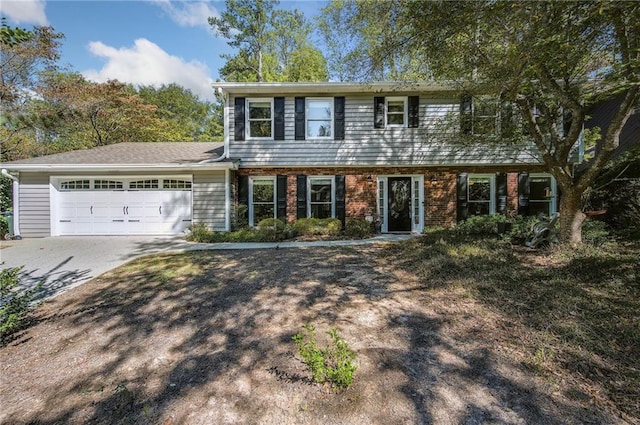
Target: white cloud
[25,11]
[188,13]
[145,63]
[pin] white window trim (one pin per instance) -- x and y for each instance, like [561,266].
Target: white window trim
[553,201]
[306,118]
[275,194]
[405,119]
[492,188]
[248,118]
[333,193]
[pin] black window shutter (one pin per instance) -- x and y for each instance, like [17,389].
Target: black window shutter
[238,118]
[414,111]
[466,113]
[243,199]
[281,197]
[501,193]
[523,193]
[340,199]
[462,206]
[301,194]
[278,118]
[378,112]
[338,117]
[299,118]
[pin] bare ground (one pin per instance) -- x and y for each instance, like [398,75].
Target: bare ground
[205,338]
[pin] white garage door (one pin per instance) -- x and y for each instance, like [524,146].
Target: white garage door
[133,206]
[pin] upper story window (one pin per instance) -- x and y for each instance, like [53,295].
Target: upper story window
[260,118]
[319,118]
[396,111]
[480,115]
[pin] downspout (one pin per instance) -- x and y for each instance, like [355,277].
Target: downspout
[16,201]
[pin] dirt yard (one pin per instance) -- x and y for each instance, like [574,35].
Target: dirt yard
[205,338]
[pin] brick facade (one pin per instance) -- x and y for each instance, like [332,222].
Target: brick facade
[361,188]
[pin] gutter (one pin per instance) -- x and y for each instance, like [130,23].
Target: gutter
[16,201]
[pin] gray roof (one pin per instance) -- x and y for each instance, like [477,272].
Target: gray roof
[141,154]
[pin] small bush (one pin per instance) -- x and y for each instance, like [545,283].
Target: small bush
[200,232]
[595,232]
[481,225]
[242,216]
[271,229]
[14,304]
[318,227]
[332,364]
[358,228]
[4,226]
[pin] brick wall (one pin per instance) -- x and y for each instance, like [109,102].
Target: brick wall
[361,188]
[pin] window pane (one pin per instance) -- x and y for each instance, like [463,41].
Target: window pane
[536,208]
[321,190]
[260,110]
[395,106]
[478,208]
[319,128]
[262,211]
[479,189]
[319,109]
[321,210]
[395,119]
[263,191]
[260,128]
[540,188]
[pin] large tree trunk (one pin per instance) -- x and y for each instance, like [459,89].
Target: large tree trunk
[571,217]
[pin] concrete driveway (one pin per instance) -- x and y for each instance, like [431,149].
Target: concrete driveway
[61,263]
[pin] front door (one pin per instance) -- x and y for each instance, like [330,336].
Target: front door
[399,204]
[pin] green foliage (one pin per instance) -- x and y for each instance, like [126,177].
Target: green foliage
[481,225]
[271,229]
[4,226]
[6,193]
[358,228]
[14,304]
[317,227]
[333,364]
[595,232]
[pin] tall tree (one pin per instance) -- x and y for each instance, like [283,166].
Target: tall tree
[23,55]
[272,44]
[550,59]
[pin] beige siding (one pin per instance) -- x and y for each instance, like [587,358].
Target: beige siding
[34,205]
[365,145]
[209,199]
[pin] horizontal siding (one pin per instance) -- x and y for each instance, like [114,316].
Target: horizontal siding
[34,205]
[365,145]
[209,199]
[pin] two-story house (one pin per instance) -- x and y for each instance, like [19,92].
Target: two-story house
[292,150]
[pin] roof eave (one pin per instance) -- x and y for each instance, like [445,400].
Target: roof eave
[226,165]
[330,87]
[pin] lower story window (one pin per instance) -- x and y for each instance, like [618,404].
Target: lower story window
[321,197]
[542,195]
[480,195]
[263,198]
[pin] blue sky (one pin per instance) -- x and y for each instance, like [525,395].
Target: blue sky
[150,42]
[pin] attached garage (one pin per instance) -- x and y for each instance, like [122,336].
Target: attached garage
[123,189]
[121,206]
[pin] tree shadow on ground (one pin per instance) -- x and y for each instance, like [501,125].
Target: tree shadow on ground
[211,327]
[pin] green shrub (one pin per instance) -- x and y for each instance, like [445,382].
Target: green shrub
[271,229]
[200,232]
[318,227]
[333,364]
[242,216]
[4,226]
[14,304]
[358,228]
[595,232]
[481,225]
